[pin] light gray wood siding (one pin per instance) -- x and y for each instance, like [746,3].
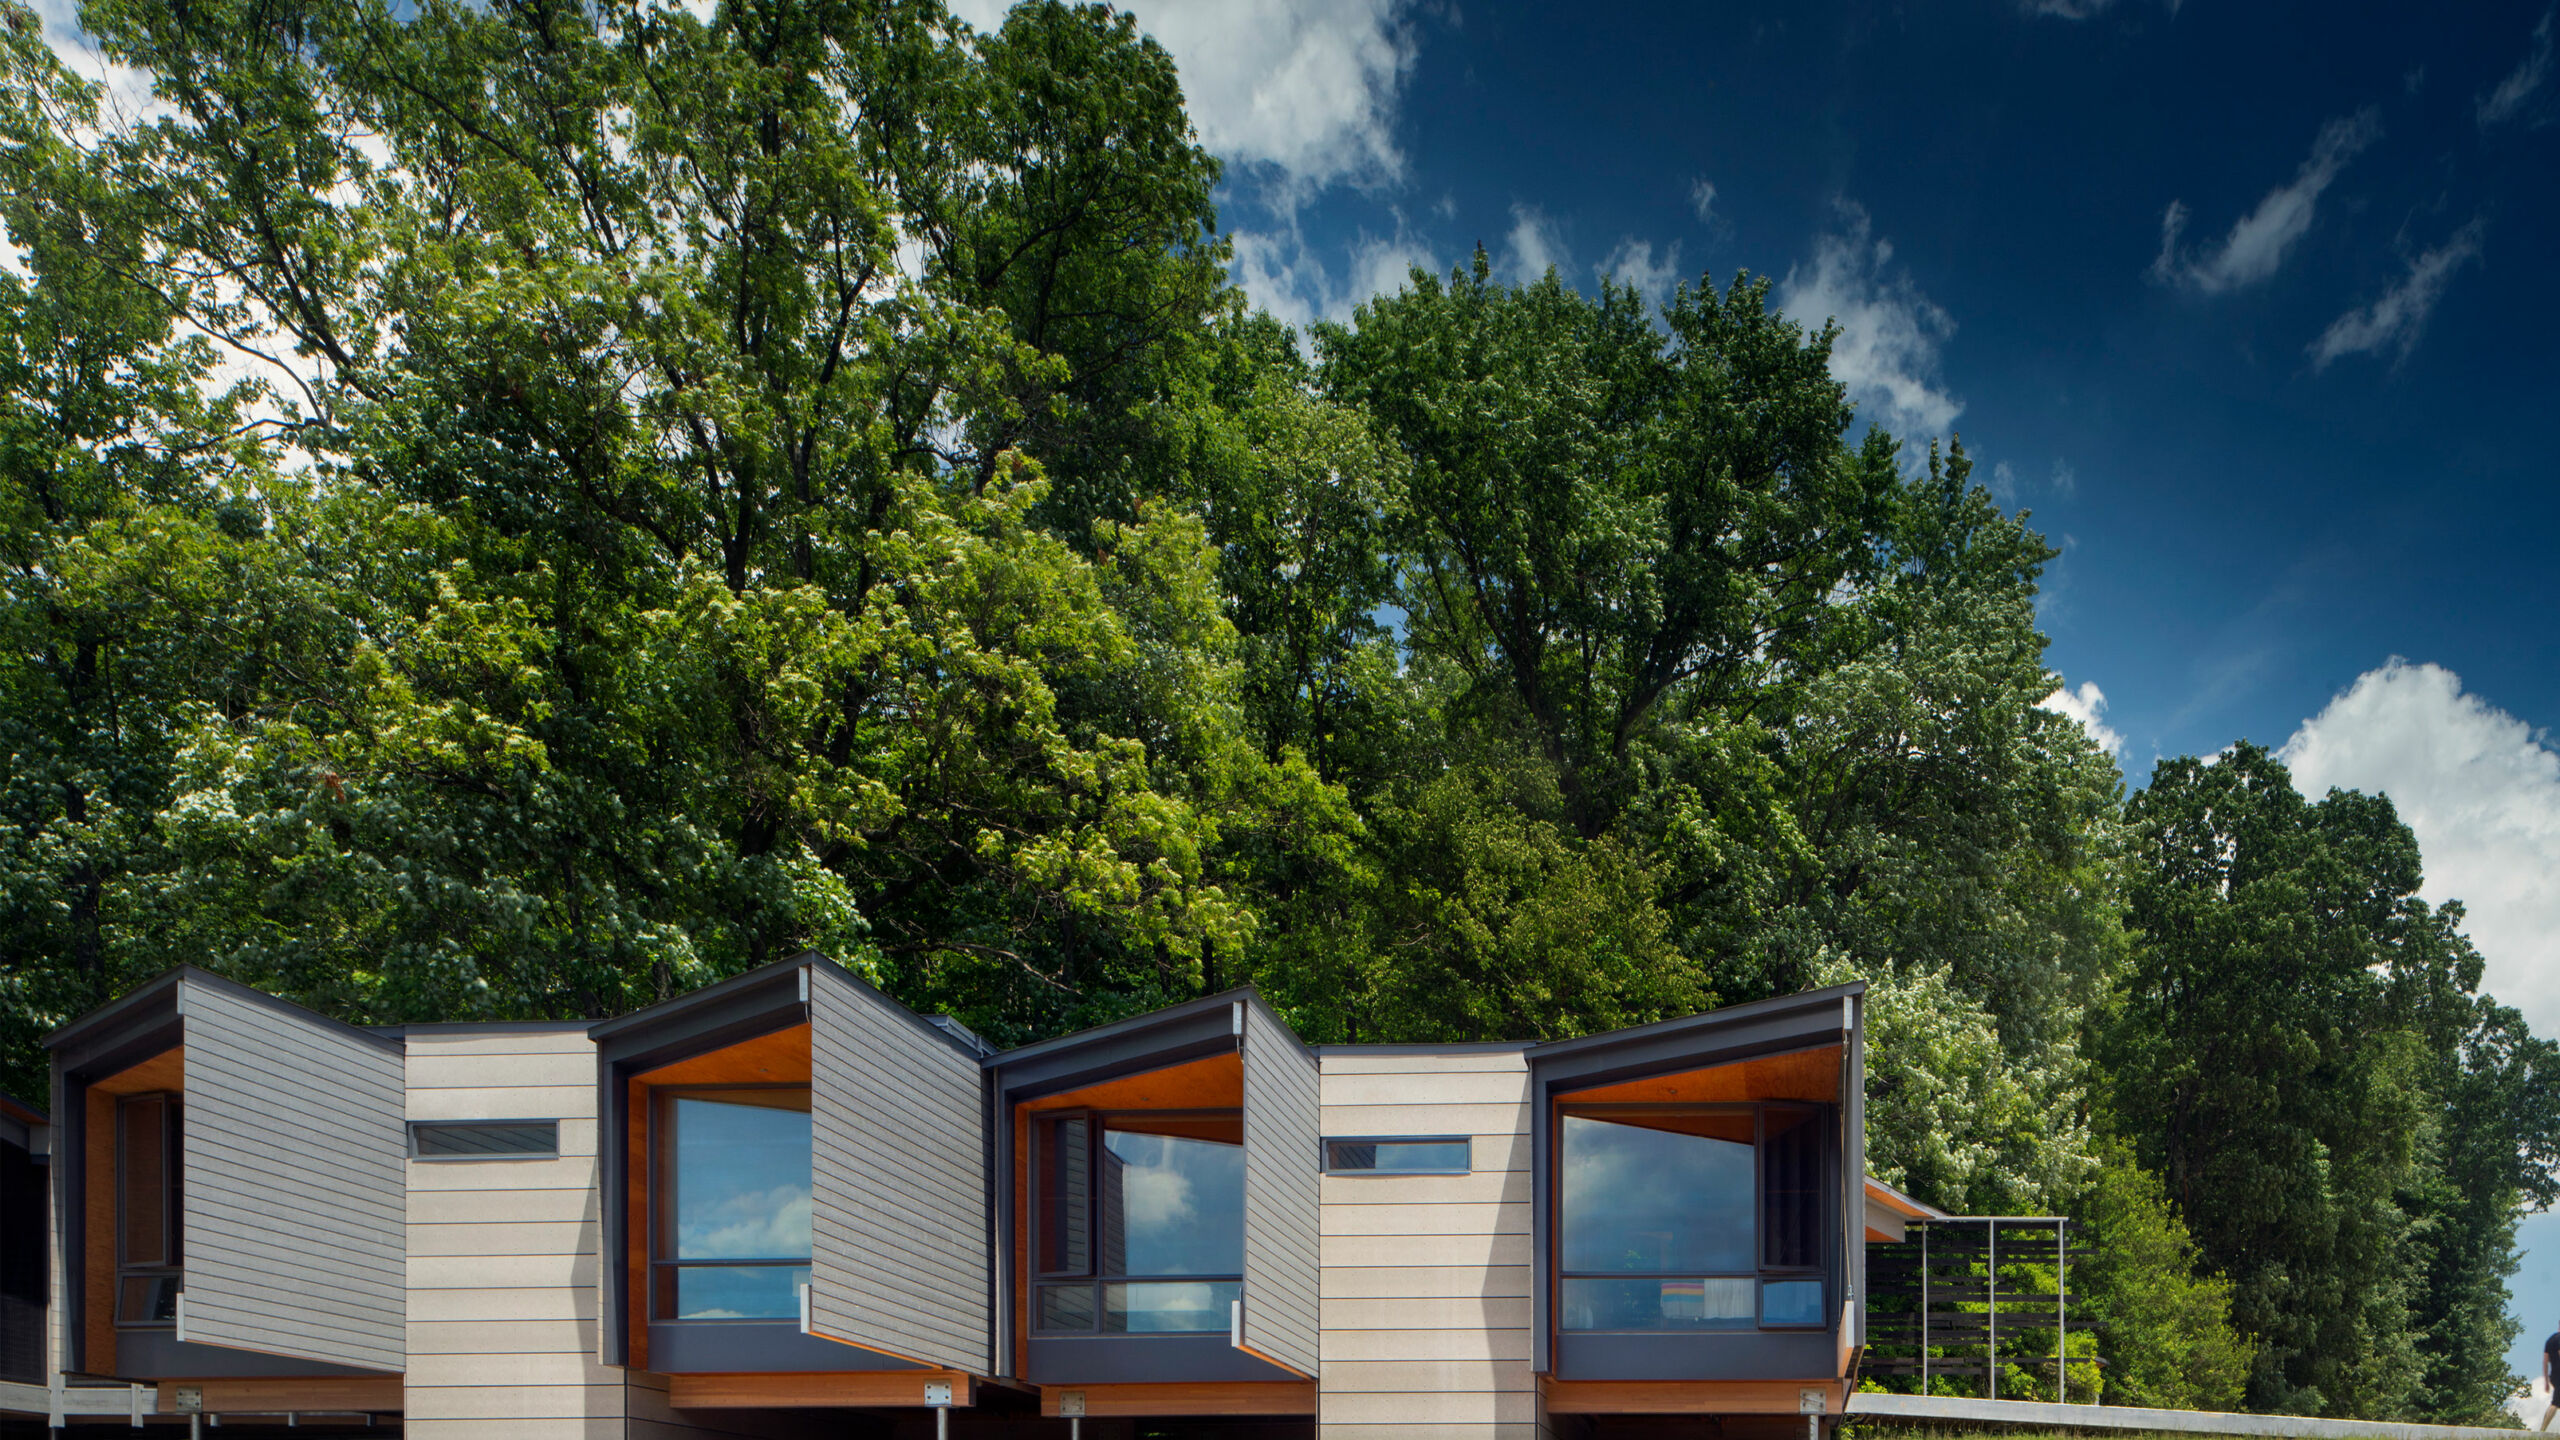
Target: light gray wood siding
[1282,1157]
[294,1203]
[502,1315]
[898,1229]
[1426,1277]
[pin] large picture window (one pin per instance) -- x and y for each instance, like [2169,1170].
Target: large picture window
[1138,1221]
[1696,1217]
[148,1253]
[730,1208]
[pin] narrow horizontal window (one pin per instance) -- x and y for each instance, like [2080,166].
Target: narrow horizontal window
[1422,1155]
[484,1139]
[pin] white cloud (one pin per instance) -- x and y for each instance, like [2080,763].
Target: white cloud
[2480,788]
[1633,263]
[2395,320]
[2507,100]
[2087,705]
[1285,276]
[1535,246]
[1300,93]
[1887,350]
[1702,198]
[2259,240]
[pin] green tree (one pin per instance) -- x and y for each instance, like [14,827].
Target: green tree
[2346,1126]
[2164,1323]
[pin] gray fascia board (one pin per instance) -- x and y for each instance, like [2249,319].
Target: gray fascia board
[1762,1028]
[1194,1036]
[1826,1001]
[145,1006]
[1170,1015]
[717,995]
[170,986]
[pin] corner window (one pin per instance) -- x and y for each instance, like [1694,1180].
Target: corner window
[730,1204]
[1431,1155]
[148,1252]
[1701,1217]
[1138,1221]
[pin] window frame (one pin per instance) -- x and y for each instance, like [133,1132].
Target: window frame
[1374,1173]
[1091,1277]
[172,1265]
[415,1126]
[1761,1273]
[661,1299]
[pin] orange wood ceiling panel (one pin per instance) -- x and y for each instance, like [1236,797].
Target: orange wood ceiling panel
[1213,1083]
[235,1396]
[164,1071]
[1795,1075]
[1243,1397]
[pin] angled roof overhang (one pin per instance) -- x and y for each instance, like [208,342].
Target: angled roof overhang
[294,1155]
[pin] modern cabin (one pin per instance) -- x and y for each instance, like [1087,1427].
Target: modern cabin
[785,1204]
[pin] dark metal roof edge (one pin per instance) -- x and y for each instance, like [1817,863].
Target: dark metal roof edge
[1703,1023]
[1117,1029]
[1425,1047]
[175,980]
[140,997]
[22,1112]
[711,994]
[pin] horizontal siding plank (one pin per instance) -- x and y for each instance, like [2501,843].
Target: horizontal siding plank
[1428,1088]
[1453,1219]
[1342,1346]
[569,1039]
[1423,1377]
[1424,1312]
[492,1334]
[1398,1250]
[1510,1187]
[515,1402]
[504,1302]
[506,1237]
[1369,1062]
[590,1427]
[486,1072]
[1351,1282]
[430,1207]
[448,1372]
[507,1102]
[494,1272]
[1428,1407]
[1496,1118]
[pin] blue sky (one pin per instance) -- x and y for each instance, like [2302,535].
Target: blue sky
[2251,304]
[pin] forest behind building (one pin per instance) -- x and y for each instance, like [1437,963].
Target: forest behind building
[521,510]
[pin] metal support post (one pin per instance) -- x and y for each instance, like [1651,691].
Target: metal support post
[2062,1311]
[1991,1315]
[1924,1308]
